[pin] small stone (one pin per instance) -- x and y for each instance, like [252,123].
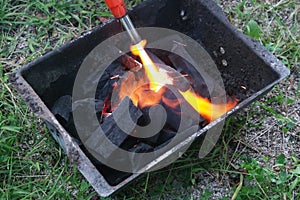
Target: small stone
[277,169]
[222,50]
[224,63]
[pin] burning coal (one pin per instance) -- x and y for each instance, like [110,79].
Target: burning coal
[147,87]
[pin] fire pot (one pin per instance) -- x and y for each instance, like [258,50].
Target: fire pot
[247,68]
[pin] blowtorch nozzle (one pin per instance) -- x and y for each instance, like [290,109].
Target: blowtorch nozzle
[129,27]
[118,9]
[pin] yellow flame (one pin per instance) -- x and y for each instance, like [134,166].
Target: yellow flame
[204,107]
[156,78]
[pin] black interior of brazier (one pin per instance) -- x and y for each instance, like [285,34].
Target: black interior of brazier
[244,73]
[106,119]
[104,110]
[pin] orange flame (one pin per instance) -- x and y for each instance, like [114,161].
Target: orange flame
[148,89]
[205,108]
[156,77]
[138,91]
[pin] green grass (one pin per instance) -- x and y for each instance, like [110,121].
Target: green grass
[32,166]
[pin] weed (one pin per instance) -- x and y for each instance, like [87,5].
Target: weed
[268,182]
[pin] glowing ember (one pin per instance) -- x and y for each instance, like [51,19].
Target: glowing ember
[114,77]
[147,88]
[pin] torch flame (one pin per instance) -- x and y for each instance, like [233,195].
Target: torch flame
[205,108]
[145,94]
[156,78]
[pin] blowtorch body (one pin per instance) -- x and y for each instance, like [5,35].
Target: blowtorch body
[118,9]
